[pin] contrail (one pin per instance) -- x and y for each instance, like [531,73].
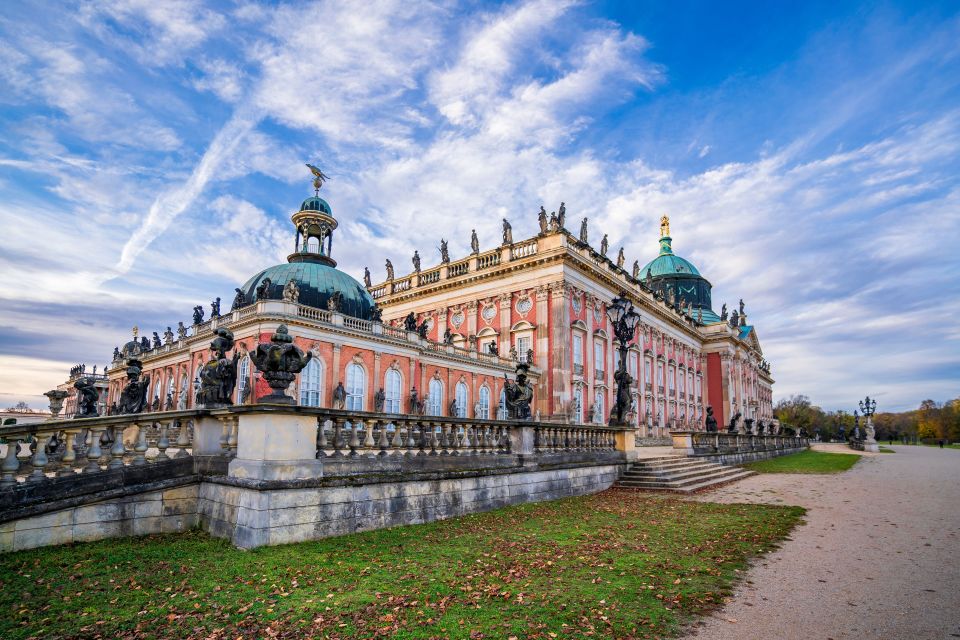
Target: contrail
[172,203]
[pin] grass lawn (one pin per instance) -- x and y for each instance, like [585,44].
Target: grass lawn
[806,462]
[618,563]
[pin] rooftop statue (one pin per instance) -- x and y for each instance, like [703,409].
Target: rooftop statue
[444,252]
[181,331]
[518,394]
[734,319]
[156,341]
[197,314]
[133,398]
[741,306]
[339,396]
[474,241]
[334,302]
[389,267]
[604,245]
[218,376]
[215,308]
[168,336]
[366,278]
[416,260]
[280,361]
[649,279]
[583,231]
[410,322]
[507,232]
[723,312]
[635,272]
[621,258]
[376,314]
[562,215]
[263,289]
[542,220]
[554,224]
[239,299]
[291,292]
[87,397]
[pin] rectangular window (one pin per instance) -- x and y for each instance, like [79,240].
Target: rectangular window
[660,374]
[632,366]
[578,349]
[671,380]
[598,359]
[524,343]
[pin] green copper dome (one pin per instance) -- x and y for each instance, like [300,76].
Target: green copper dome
[668,264]
[317,282]
[316,203]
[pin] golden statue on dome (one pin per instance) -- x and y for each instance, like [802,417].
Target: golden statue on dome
[318,178]
[664,226]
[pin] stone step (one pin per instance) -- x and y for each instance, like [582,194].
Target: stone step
[670,477]
[646,468]
[687,487]
[686,479]
[678,474]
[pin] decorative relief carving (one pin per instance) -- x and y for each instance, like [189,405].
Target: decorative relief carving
[488,313]
[457,319]
[524,305]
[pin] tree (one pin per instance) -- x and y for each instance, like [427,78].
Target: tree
[931,423]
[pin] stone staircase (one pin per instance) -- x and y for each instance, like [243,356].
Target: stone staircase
[678,474]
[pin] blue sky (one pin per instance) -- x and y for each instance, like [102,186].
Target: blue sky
[152,152]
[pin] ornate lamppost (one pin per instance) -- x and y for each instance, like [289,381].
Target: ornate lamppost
[624,319]
[867,408]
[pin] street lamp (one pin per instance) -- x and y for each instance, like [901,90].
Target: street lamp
[624,320]
[867,408]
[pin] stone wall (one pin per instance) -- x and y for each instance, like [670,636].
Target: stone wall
[745,457]
[159,511]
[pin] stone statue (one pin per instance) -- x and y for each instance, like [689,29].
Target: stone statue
[197,314]
[182,398]
[156,341]
[583,231]
[554,224]
[542,219]
[116,354]
[334,302]
[218,376]
[168,336]
[748,426]
[379,398]
[444,252]
[562,215]
[87,397]
[215,308]
[530,356]
[366,278]
[416,260]
[452,408]
[507,232]
[734,319]
[239,299]
[699,315]
[447,336]
[410,322]
[621,404]
[376,314]
[741,306]
[244,393]
[181,331]
[414,406]
[635,272]
[518,394]
[389,266]
[474,241]
[133,398]
[621,258]
[168,404]
[513,353]
[733,423]
[723,312]
[423,329]
[493,348]
[339,396]
[279,361]
[711,421]
[144,344]
[263,289]
[649,279]
[604,245]
[291,292]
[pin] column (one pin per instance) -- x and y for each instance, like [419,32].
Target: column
[561,373]
[544,391]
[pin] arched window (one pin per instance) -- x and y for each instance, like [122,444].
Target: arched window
[310,381]
[502,407]
[393,384]
[461,397]
[243,378]
[484,403]
[157,389]
[356,381]
[171,386]
[435,399]
[598,408]
[578,405]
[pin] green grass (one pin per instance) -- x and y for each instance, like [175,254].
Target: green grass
[618,563]
[806,462]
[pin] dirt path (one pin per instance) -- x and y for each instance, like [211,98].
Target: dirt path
[878,557]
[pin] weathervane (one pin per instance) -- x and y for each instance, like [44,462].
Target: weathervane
[318,178]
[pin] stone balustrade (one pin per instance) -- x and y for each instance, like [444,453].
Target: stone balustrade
[734,446]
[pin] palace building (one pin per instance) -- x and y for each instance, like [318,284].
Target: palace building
[440,340]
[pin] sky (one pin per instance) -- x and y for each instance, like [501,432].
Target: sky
[151,154]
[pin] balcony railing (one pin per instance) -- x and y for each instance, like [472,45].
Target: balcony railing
[578,369]
[598,374]
[702,443]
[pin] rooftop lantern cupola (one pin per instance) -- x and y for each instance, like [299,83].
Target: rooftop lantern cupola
[315,224]
[665,248]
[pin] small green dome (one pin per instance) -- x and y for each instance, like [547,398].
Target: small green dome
[667,264]
[316,203]
[317,282]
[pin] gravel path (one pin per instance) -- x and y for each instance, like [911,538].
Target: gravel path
[878,557]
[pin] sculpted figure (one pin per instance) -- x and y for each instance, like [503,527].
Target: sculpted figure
[263,289]
[182,398]
[518,394]
[133,398]
[723,312]
[168,336]
[711,421]
[116,354]
[562,215]
[144,344]
[444,252]
[156,341]
[554,224]
[621,258]
[366,278]
[291,292]
[379,398]
[339,396]
[376,314]
[699,315]
[410,322]
[447,336]
[452,408]
[493,348]
[414,404]
[604,245]
[218,376]
[649,279]
[474,241]
[87,397]
[416,260]
[389,266]
[279,361]
[623,401]
[635,272]
[507,232]
[583,231]
[215,308]
[542,220]
[733,423]
[741,306]
[239,299]
[334,302]
[734,319]
[513,352]
[423,329]
[181,331]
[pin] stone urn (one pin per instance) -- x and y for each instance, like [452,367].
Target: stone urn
[56,396]
[279,361]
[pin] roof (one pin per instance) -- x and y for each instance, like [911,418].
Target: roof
[667,263]
[316,203]
[317,282]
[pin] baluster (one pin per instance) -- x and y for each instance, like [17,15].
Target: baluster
[93,451]
[434,441]
[11,463]
[337,429]
[183,439]
[234,436]
[495,439]
[163,443]
[39,458]
[445,439]
[354,439]
[117,450]
[69,454]
[397,442]
[411,441]
[369,443]
[321,437]
[466,444]
[475,442]
[423,440]
[456,439]
[140,448]
[507,441]
[383,442]
[554,439]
